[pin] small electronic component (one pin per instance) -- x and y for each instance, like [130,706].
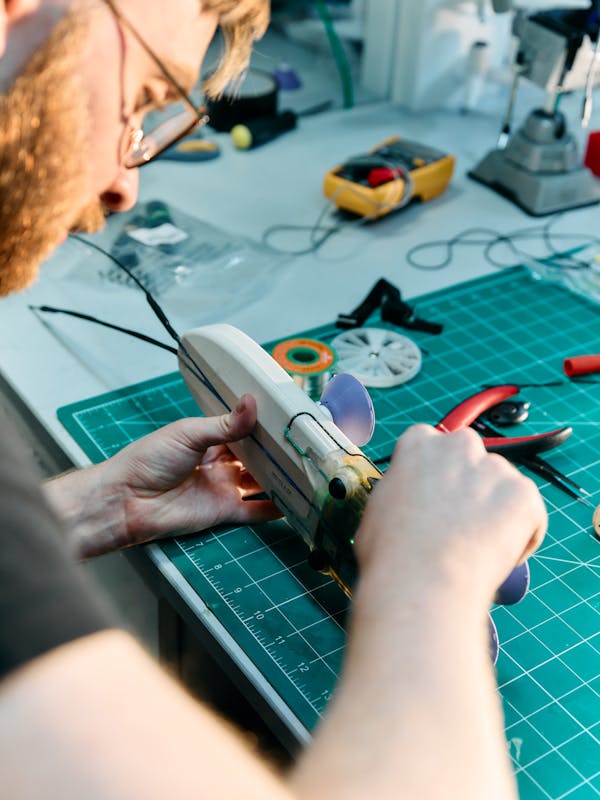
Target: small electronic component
[388,178]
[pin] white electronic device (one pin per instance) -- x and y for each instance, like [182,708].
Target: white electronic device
[317,477]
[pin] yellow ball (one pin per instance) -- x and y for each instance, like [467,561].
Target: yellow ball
[242,138]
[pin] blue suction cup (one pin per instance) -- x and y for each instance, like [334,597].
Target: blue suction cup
[350,407]
[494,644]
[514,587]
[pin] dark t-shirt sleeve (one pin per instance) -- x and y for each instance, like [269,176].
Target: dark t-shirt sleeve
[45,599]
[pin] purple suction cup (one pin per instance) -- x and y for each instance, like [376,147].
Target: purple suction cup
[350,407]
[494,643]
[514,587]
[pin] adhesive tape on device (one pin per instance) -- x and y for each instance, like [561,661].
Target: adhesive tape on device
[254,98]
[377,357]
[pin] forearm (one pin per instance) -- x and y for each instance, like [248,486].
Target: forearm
[91,504]
[104,722]
[414,718]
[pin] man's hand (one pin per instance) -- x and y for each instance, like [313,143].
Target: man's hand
[448,512]
[179,479]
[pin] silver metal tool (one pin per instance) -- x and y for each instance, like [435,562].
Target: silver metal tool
[539,166]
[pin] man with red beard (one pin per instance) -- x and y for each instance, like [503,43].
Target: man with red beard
[84,712]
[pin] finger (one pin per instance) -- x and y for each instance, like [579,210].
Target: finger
[415,434]
[200,433]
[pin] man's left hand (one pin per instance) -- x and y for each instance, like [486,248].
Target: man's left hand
[179,479]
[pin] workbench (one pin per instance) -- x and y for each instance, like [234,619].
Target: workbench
[47,366]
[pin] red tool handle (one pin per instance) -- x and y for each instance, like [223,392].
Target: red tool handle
[467,412]
[581,365]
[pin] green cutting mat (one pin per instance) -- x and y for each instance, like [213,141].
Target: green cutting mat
[290,620]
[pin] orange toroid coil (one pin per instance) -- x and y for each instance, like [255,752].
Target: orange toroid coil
[308,361]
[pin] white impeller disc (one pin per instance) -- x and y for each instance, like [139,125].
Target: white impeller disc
[377,357]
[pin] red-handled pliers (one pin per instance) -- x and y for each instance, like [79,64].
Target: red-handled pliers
[473,407]
[522,450]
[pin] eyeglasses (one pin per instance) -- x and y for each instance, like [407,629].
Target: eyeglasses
[145,146]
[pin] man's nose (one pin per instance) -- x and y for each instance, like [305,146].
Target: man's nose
[122,193]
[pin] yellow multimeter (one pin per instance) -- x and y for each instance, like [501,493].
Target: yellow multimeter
[389,177]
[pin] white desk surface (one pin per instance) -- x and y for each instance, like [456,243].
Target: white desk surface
[66,360]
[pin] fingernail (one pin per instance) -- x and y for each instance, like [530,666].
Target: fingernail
[240,406]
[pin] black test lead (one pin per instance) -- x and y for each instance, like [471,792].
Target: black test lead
[89,318]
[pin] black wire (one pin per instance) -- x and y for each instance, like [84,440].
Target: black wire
[312,230]
[548,240]
[181,352]
[89,318]
[490,240]
[162,317]
[448,245]
[351,221]
[556,258]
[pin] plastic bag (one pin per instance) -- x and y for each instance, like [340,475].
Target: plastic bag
[582,276]
[196,271]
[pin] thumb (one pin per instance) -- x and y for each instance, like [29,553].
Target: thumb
[221,429]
